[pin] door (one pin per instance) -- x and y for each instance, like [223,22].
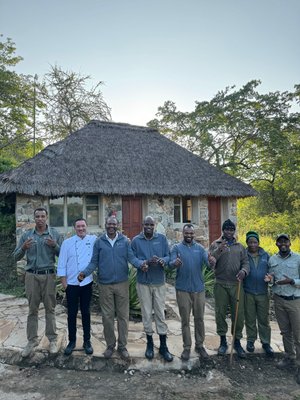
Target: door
[131,216]
[214,218]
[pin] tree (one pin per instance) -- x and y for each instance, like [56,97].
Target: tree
[250,135]
[16,104]
[69,103]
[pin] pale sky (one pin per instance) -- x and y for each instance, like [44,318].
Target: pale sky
[150,51]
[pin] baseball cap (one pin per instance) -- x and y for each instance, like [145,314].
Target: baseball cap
[282,235]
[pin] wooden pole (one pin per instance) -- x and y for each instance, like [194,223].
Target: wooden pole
[235,319]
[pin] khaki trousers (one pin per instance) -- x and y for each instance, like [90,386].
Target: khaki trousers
[114,300]
[40,288]
[153,298]
[188,302]
[288,318]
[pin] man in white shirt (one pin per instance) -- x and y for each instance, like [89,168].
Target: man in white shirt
[75,255]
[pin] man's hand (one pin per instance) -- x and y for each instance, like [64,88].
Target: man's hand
[269,278]
[212,261]
[81,276]
[28,243]
[144,266]
[156,260]
[241,275]
[63,280]
[50,242]
[286,281]
[178,261]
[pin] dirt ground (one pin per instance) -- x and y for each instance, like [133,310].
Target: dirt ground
[253,379]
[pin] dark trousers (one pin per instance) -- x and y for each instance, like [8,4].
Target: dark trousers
[82,295]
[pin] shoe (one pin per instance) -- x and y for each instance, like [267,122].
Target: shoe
[202,353]
[124,353]
[250,346]
[285,363]
[185,355]
[238,348]
[268,349]
[68,350]
[88,347]
[150,348]
[53,347]
[29,348]
[163,349]
[108,352]
[223,346]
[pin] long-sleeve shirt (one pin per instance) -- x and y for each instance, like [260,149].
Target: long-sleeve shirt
[289,266]
[75,255]
[39,256]
[145,249]
[189,275]
[229,261]
[110,261]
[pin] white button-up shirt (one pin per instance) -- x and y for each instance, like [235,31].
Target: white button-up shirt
[75,255]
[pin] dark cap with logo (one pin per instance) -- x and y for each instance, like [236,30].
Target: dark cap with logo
[282,235]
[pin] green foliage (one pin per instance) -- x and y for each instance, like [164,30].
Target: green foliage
[134,303]
[209,279]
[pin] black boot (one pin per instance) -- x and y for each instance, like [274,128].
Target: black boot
[149,350]
[163,349]
[238,348]
[223,346]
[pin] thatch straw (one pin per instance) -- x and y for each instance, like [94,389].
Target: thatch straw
[113,158]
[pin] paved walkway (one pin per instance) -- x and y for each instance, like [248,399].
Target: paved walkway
[13,316]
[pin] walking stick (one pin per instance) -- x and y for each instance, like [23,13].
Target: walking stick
[235,319]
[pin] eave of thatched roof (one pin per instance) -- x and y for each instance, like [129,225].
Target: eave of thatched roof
[122,159]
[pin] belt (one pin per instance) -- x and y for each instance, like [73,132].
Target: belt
[41,271]
[288,297]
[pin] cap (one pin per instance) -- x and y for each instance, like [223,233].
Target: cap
[228,224]
[282,235]
[252,234]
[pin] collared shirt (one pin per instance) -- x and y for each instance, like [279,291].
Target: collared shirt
[75,255]
[289,266]
[112,241]
[39,256]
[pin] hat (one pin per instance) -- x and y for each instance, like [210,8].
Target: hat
[282,235]
[228,224]
[252,234]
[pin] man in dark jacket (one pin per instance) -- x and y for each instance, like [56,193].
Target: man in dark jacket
[111,254]
[256,296]
[231,267]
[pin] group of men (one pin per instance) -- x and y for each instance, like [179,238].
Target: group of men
[149,252]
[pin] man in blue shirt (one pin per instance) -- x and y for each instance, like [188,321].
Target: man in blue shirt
[75,255]
[189,258]
[152,250]
[111,255]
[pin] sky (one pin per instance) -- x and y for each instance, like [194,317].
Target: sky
[149,51]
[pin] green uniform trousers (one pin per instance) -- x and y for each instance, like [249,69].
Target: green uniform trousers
[226,296]
[257,317]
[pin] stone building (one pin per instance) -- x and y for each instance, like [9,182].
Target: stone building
[110,168]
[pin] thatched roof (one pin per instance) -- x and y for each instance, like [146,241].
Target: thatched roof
[113,158]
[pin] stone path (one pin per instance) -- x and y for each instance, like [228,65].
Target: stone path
[13,316]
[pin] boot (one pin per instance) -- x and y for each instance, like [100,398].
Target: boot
[250,346]
[163,349]
[149,350]
[223,346]
[268,349]
[238,348]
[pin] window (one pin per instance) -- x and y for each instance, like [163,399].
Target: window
[74,209]
[92,210]
[182,209]
[63,211]
[56,211]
